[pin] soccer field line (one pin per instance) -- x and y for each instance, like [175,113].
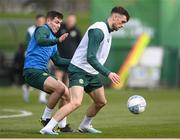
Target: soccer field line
[22,113]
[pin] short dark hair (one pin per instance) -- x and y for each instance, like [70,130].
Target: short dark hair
[120,10]
[53,14]
[39,16]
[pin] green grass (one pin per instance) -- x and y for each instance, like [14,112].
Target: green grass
[161,118]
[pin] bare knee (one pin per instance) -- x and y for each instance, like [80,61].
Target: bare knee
[101,104]
[75,104]
[66,95]
[59,89]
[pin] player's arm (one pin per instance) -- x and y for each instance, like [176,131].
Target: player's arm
[95,37]
[42,37]
[60,62]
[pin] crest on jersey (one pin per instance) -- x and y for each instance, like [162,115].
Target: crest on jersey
[45,74]
[81,81]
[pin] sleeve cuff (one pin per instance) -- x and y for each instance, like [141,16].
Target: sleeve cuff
[107,73]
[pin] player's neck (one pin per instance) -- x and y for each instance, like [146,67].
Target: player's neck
[109,24]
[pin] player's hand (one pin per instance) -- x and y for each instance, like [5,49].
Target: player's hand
[114,78]
[63,37]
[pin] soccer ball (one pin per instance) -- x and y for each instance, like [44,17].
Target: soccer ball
[136,104]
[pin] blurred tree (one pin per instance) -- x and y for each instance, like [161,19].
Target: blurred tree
[40,4]
[28,6]
[2,6]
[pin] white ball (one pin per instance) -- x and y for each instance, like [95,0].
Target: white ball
[136,104]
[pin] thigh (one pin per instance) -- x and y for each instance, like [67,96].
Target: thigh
[51,84]
[76,93]
[98,95]
[66,95]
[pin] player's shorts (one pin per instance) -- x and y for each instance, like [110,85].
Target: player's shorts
[36,77]
[79,77]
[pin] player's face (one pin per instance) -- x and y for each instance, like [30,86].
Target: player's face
[54,24]
[118,21]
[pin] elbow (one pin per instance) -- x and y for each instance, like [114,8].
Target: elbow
[39,42]
[89,58]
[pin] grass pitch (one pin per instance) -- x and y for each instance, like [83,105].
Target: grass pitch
[160,119]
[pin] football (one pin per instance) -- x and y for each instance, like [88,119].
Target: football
[136,104]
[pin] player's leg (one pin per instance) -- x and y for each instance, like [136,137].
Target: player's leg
[62,125]
[56,89]
[99,101]
[95,90]
[66,79]
[76,93]
[76,84]
[59,74]
[44,81]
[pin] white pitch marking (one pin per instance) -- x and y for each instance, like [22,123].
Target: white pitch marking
[22,113]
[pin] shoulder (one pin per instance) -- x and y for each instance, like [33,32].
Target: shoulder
[43,29]
[97,33]
[97,28]
[99,24]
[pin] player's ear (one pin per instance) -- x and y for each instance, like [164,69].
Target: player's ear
[113,17]
[116,17]
[48,20]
